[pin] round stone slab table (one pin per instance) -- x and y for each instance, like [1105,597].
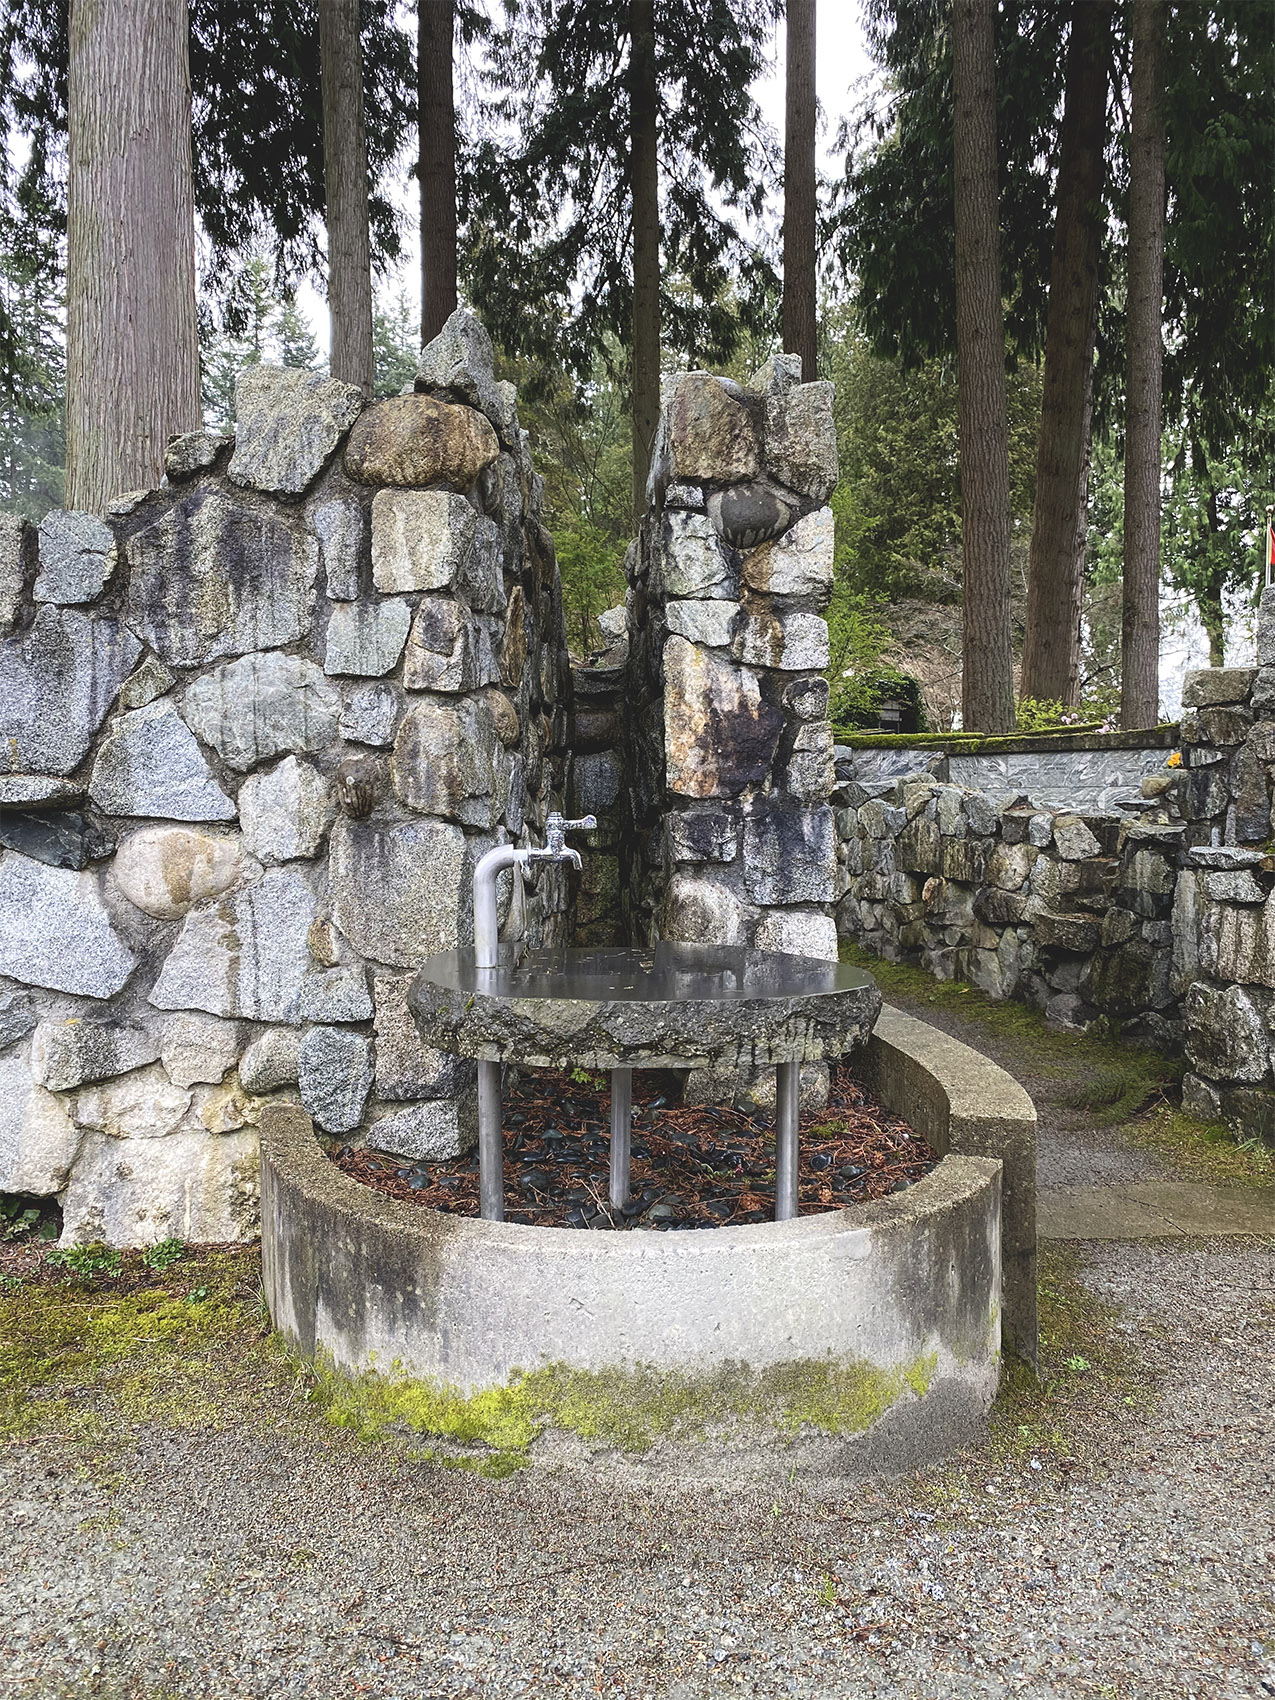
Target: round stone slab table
[675,1006]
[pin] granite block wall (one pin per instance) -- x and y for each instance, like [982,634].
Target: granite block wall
[255,728]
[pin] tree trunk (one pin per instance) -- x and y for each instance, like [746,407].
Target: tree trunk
[799,189]
[1140,625]
[132,338]
[345,187]
[987,677]
[436,169]
[1051,649]
[644,166]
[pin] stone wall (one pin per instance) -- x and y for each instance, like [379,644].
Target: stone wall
[255,728]
[730,836]
[599,689]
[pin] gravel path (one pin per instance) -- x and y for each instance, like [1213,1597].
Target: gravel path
[248,1564]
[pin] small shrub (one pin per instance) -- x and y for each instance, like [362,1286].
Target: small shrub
[163,1255]
[86,1262]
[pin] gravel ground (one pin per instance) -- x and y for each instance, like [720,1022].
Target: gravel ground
[247,1564]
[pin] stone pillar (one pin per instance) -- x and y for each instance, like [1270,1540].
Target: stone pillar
[732,837]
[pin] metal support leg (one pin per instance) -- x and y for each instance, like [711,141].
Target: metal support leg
[621,1128]
[786,1085]
[491,1148]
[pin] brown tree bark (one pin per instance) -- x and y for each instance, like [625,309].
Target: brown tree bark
[436,166]
[644,166]
[345,185]
[800,292]
[1055,579]
[132,357]
[987,675]
[1144,334]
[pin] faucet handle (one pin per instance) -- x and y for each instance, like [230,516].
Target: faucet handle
[556,830]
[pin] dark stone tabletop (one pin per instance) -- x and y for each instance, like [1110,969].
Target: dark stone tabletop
[669,1007]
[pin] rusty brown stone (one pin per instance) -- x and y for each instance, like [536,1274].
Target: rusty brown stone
[413,440]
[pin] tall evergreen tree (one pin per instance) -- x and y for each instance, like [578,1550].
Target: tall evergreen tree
[436,161]
[987,671]
[800,282]
[132,333]
[1140,625]
[346,193]
[548,200]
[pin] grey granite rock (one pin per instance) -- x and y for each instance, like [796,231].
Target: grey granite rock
[794,642]
[71,1053]
[799,563]
[405,1066]
[288,422]
[163,870]
[55,931]
[366,638]
[271,1060]
[780,372]
[1234,887]
[263,706]
[409,441]
[688,496]
[798,932]
[336,994]
[701,835]
[481,580]
[698,909]
[790,854]
[17,1017]
[77,557]
[400,892]
[421,539]
[709,622]
[710,431]
[245,955]
[285,811]
[693,563]
[38,1140]
[190,1186]
[150,764]
[57,680]
[720,734]
[14,533]
[215,576]
[151,680]
[194,452]
[370,715]
[445,651]
[334,1074]
[801,439]
[430,1132]
[460,359]
[1226,1038]
[445,761]
[339,523]
[198,1049]
[595,783]
[1209,687]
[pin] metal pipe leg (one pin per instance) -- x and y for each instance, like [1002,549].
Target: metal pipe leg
[787,1077]
[621,1129]
[491,1148]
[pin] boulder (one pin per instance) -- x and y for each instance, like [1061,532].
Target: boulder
[151,680]
[698,910]
[55,931]
[141,1105]
[163,870]
[334,1076]
[790,854]
[710,432]
[797,564]
[798,932]
[193,1186]
[405,1067]
[743,515]
[408,441]
[1211,686]
[445,761]
[77,557]
[720,734]
[366,638]
[150,764]
[263,706]
[271,1060]
[801,439]
[426,1132]
[339,523]
[1226,1038]
[401,892]
[14,532]
[193,452]
[461,359]
[446,650]
[57,680]
[701,835]
[795,642]
[288,423]
[38,1139]
[215,577]
[370,715]
[244,956]
[421,539]
[692,561]
[198,1050]
[285,811]
[17,1018]
[336,994]
[709,622]
[71,1053]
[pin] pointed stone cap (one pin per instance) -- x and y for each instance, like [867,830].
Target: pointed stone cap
[460,361]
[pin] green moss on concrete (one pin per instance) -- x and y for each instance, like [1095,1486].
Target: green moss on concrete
[1086,737]
[627,1409]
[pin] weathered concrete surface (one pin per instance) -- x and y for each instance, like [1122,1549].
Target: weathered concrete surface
[959,1100]
[1148,1210]
[368,1280]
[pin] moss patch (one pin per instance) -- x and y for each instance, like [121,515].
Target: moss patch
[493,1430]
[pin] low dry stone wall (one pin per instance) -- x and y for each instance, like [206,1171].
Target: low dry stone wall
[255,728]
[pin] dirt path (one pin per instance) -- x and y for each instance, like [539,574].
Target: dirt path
[1114,1537]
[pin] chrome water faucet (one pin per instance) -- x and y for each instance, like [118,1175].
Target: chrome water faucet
[555,849]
